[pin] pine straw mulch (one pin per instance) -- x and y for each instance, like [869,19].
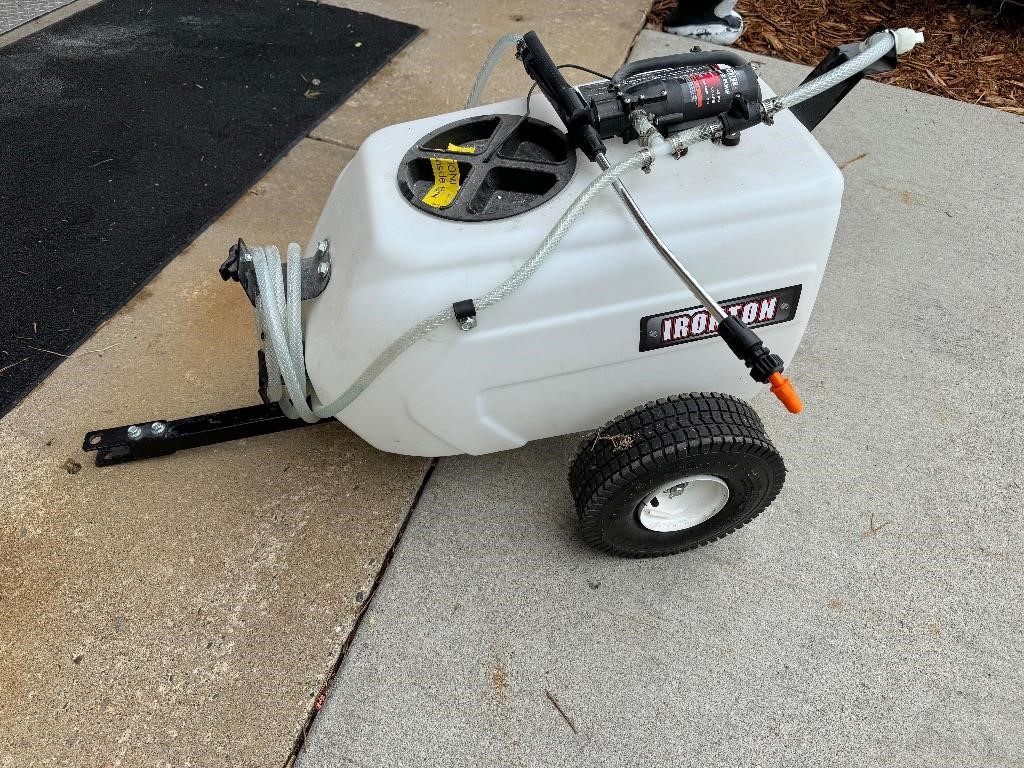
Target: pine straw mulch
[968,56]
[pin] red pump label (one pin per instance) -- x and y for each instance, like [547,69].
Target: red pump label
[711,85]
[705,87]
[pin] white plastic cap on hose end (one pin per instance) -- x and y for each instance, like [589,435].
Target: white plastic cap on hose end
[906,39]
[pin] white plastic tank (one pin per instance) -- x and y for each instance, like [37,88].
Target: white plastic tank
[602,327]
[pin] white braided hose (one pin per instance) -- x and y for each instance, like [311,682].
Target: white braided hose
[875,47]
[276,309]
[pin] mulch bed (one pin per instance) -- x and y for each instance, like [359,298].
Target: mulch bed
[968,55]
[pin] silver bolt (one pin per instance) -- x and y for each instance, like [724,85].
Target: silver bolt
[134,432]
[158,427]
[467,323]
[324,267]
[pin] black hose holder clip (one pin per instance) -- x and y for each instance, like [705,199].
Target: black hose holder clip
[465,314]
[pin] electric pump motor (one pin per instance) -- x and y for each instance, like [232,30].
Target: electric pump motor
[674,90]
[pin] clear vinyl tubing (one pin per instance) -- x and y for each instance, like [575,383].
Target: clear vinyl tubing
[278,314]
[506,41]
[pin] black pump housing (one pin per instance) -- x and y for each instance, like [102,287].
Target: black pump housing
[674,90]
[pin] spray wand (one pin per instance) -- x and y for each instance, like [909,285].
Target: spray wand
[691,97]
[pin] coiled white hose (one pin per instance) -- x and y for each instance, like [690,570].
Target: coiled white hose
[278,315]
[279,322]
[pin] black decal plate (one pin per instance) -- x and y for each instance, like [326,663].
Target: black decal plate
[683,325]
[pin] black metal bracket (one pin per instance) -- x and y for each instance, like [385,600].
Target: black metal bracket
[817,108]
[316,270]
[465,314]
[162,438]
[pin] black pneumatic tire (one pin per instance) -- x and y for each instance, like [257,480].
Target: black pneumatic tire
[631,457]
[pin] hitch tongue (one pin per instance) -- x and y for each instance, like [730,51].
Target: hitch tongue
[120,445]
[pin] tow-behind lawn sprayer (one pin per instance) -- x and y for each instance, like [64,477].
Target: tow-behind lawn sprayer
[472,286]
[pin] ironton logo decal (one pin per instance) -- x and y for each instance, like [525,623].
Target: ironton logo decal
[683,325]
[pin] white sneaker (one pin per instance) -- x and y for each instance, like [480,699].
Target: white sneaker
[708,20]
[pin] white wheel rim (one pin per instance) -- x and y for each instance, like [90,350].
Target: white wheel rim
[683,503]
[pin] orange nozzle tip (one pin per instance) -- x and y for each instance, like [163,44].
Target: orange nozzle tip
[783,389]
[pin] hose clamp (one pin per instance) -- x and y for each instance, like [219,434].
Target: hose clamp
[465,314]
[769,107]
[648,133]
[643,124]
[648,158]
[678,148]
[644,127]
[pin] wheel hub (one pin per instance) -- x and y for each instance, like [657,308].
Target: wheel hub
[683,503]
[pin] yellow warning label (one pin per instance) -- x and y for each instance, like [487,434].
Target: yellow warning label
[446,183]
[463,150]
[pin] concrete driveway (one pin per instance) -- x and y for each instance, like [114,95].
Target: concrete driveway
[870,618]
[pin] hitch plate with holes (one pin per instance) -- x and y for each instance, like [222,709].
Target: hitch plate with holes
[162,438]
